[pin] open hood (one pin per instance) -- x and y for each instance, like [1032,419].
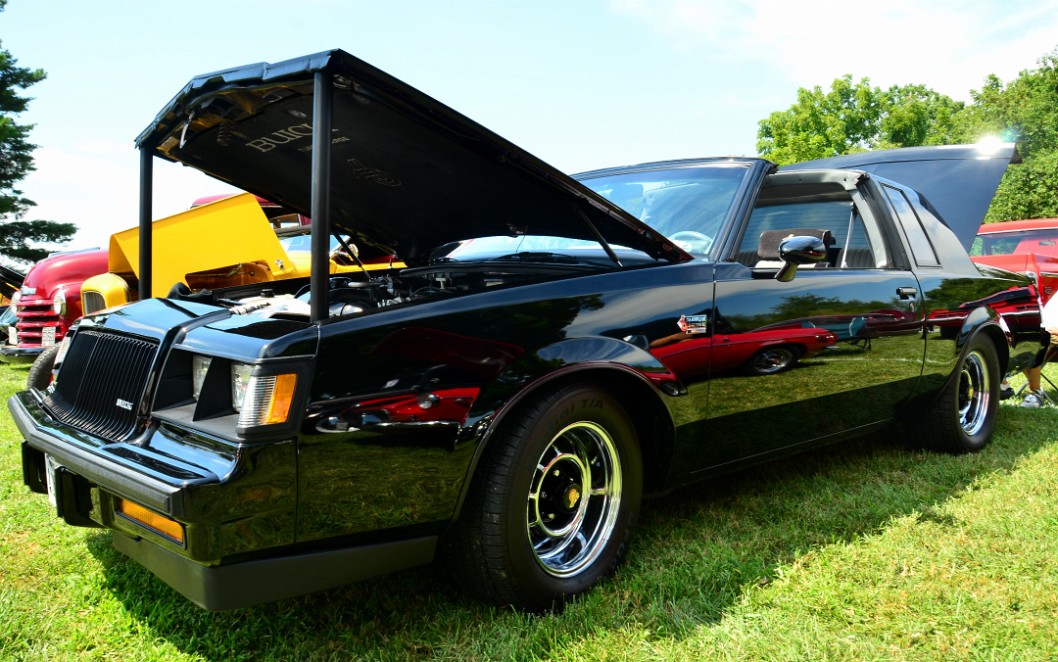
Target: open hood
[407,173]
[10,281]
[957,181]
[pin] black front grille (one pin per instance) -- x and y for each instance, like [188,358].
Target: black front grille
[101,383]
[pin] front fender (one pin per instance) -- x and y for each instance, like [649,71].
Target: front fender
[639,380]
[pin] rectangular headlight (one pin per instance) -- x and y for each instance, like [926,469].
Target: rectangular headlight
[199,368]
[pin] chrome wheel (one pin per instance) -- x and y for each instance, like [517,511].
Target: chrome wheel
[771,360]
[974,393]
[574,499]
[553,503]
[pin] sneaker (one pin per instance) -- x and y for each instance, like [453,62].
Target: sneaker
[1006,391]
[1033,400]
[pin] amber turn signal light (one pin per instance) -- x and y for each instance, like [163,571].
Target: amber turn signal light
[160,524]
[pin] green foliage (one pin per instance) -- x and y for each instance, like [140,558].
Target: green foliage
[916,115]
[1028,190]
[853,117]
[16,161]
[1026,110]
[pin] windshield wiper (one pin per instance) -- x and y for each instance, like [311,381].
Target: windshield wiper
[536,256]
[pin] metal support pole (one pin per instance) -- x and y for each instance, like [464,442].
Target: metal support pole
[146,214]
[323,93]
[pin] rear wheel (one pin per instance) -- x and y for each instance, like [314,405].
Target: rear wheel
[771,360]
[553,503]
[963,416]
[40,373]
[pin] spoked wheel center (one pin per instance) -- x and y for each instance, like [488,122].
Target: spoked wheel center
[573,499]
[973,394]
[559,498]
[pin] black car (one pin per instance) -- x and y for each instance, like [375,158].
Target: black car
[544,352]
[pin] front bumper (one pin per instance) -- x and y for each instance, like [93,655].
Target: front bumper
[84,456]
[19,354]
[93,475]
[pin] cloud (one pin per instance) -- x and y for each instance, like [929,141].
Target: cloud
[95,185]
[949,46]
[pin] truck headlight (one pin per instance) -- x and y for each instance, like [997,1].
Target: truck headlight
[261,399]
[58,302]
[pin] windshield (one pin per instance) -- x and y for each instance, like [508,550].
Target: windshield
[1040,242]
[686,204]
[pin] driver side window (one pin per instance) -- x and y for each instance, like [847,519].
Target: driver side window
[831,215]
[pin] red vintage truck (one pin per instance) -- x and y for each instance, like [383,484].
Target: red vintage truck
[48,301]
[1024,246]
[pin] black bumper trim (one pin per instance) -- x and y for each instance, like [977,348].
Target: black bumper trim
[109,474]
[265,580]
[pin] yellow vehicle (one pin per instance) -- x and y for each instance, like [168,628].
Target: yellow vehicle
[236,240]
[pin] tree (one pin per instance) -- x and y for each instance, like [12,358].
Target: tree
[853,117]
[822,124]
[1025,111]
[17,236]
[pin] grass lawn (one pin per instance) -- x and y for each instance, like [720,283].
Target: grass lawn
[860,551]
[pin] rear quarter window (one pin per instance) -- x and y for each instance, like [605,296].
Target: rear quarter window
[921,247]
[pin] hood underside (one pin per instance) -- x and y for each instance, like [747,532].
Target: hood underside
[408,174]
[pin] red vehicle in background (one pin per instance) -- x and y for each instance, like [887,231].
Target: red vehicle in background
[1024,246]
[48,301]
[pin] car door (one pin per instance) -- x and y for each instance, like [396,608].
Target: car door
[835,349]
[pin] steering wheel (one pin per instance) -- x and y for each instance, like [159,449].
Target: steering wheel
[343,257]
[692,242]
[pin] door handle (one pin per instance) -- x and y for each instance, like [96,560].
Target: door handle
[906,292]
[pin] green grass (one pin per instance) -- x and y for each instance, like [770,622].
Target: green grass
[860,551]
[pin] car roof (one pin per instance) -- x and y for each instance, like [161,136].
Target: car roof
[957,182]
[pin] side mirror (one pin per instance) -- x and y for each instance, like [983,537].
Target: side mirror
[799,250]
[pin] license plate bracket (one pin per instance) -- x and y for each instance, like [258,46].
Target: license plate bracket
[51,472]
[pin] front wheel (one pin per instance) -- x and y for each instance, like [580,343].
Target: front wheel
[553,503]
[40,373]
[963,416]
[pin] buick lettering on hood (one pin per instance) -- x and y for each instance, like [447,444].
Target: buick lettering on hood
[544,352]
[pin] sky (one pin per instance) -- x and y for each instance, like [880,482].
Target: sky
[581,84]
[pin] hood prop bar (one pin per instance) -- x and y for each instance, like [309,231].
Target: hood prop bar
[323,93]
[146,219]
[602,241]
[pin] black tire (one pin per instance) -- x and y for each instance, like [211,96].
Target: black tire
[772,360]
[553,502]
[39,376]
[961,419]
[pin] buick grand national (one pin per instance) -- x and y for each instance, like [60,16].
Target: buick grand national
[552,350]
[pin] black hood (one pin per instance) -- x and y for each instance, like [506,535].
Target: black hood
[957,181]
[408,173]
